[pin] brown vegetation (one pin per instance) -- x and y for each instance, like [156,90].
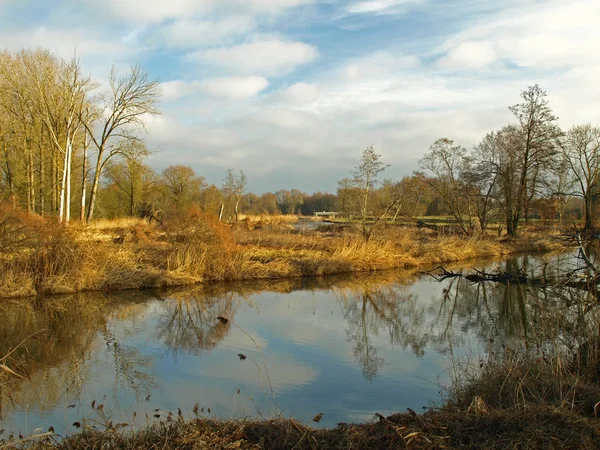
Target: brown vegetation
[539,428]
[38,256]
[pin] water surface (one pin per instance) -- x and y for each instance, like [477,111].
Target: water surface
[346,346]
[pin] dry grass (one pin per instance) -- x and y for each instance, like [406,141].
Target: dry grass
[112,224]
[537,429]
[192,247]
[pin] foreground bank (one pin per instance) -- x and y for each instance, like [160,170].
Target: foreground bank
[536,385]
[39,257]
[535,429]
[521,402]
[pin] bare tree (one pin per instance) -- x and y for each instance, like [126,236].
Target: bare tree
[367,215]
[182,184]
[58,94]
[131,98]
[582,154]
[131,175]
[539,136]
[449,163]
[233,190]
[289,201]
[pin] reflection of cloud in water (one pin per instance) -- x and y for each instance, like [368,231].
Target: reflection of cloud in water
[319,346]
[237,341]
[285,371]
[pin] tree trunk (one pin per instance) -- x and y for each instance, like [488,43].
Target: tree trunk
[131,194]
[589,225]
[69,150]
[29,176]
[83,179]
[41,183]
[53,165]
[94,192]
[63,185]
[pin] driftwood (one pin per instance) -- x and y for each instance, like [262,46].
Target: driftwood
[477,276]
[589,284]
[571,279]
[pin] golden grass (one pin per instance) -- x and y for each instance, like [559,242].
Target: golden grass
[537,429]
[194,247]
[111,224]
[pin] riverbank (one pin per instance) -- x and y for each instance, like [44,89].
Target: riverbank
[39,257]
[540,428]
[511,401]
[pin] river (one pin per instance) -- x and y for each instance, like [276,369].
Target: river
[346,346]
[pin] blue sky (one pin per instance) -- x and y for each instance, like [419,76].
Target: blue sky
[292,91]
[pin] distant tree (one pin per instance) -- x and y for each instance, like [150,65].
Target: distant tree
[319,201]
[539,137]
[289,201]
[346,196]
[364,180]
[233,190]
[581,152]
[211,199]
[131,176]
[497,158]
[366,214]
[182,186]
[267,204]
[449,164]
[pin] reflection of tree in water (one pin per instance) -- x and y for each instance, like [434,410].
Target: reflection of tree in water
[492,315]
[535,317]
[55,360]
[190,322]
[369,311]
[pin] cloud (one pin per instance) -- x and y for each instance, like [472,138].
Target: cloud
[266,57]
[379,6]
[470,55]
[559,35]
[154,11]
[66,43]
[191,33]
[379,65]
[236,88]
[299,94]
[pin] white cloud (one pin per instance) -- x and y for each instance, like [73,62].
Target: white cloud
[379,65]
[66,43]
[470,55]
[267,57]
[191,33]
[153,11]
[271,6]
[379,6]
[236,88]
[558,35]
[299,94]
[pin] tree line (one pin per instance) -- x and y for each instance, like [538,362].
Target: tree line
[530,165]
[521,166]
[60,129]
[69,143]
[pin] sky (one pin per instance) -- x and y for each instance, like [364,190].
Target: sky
[292,91]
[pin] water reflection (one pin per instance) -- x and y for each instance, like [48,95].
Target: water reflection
[189,323]
[345,346]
